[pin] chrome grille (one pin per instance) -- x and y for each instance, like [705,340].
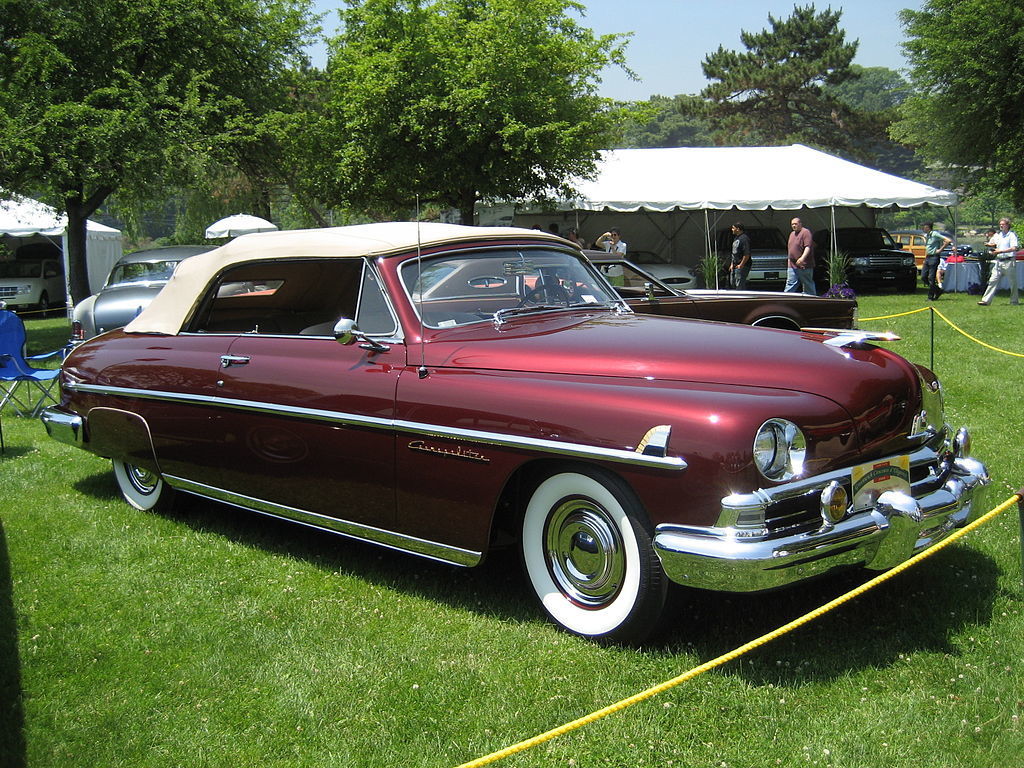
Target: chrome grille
[883,261]
[802,514]
[770,263]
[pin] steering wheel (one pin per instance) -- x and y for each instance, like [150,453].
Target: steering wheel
[546,294]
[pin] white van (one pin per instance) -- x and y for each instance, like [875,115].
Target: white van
[27,283]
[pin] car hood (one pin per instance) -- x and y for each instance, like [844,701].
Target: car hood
[872,384]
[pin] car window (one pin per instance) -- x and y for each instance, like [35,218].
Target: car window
[623,276]
[864,239]
[141,272]
[467,287]
[20,268]
[294,297]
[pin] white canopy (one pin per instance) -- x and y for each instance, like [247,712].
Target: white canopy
[22,217]
[238,224]
[746,178]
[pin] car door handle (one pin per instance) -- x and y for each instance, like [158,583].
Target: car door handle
[226,361]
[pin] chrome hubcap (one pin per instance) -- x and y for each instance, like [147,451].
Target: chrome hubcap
[584,553]
[142,480]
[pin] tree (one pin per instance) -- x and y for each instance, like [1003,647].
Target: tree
[104,95]
[967,68]
[665,122]
[872,89]
[454,101]
[878,91]
[781,89]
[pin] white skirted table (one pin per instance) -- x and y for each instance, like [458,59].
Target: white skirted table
[961,274]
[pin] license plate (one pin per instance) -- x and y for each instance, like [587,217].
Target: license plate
[872,479]
[771,275]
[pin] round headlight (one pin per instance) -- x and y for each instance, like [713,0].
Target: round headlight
[780,450]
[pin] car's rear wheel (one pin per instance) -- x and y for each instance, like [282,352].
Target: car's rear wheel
[589,557]
[142,488]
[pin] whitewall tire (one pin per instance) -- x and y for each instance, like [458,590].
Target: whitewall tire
[141,488]
[588,555]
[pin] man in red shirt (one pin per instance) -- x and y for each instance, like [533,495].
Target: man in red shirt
[800,275]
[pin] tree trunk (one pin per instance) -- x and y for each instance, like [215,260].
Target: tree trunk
[78,265]
[467,207]
[79,211]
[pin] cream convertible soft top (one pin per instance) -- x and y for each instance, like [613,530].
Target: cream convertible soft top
[174,304]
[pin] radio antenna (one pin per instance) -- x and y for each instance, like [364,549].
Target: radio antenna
[422,370]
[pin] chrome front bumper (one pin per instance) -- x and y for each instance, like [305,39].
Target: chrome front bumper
[731,559]
[63,426]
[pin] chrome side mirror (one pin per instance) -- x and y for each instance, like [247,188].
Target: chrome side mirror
[345,333]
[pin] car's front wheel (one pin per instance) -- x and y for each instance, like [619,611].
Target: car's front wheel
[589,558]
[142,488]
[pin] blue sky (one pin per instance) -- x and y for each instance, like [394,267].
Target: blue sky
[672,37]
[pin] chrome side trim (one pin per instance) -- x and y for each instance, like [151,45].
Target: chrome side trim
[431,550]
[557,447]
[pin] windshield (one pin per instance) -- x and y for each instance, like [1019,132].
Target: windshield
[20,268]
[460,288]
[865,239]
[141,272]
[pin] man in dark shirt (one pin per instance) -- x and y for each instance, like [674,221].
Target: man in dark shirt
[739,267]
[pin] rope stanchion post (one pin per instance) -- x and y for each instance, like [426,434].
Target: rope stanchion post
[1020,510]
[931,314]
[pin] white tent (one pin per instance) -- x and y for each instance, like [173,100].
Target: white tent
[27,221]
[655,195]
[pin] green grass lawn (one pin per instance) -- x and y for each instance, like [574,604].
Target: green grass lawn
[212,637]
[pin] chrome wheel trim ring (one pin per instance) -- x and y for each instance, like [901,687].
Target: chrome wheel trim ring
[142,480]
[584,553]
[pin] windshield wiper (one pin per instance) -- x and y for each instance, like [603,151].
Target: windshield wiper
[502,314]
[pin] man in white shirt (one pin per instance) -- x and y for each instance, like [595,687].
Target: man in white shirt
[1003,247]
[612,242]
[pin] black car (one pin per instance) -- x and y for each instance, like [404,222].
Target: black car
[873,259]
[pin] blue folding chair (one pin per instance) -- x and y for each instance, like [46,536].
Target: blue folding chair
[25,388]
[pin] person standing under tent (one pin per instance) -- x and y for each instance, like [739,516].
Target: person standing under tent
[739,267]
[800,275]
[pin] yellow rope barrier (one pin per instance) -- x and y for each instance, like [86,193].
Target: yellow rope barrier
[889,317]
[726,657]
[972,338]
[948,322]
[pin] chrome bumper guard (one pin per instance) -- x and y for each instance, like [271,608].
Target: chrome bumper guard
[63,426]
[738,558]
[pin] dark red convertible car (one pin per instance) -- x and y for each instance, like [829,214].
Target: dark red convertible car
[647,295]
[446,390]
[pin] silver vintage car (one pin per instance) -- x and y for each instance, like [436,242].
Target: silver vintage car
[133,282]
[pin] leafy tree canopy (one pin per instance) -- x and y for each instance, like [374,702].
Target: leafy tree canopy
[781,89]
[667,122]
[967,68]
[105,95]
[460,100]
[872,89]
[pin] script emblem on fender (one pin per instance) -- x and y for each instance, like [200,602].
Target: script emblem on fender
[457,452]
